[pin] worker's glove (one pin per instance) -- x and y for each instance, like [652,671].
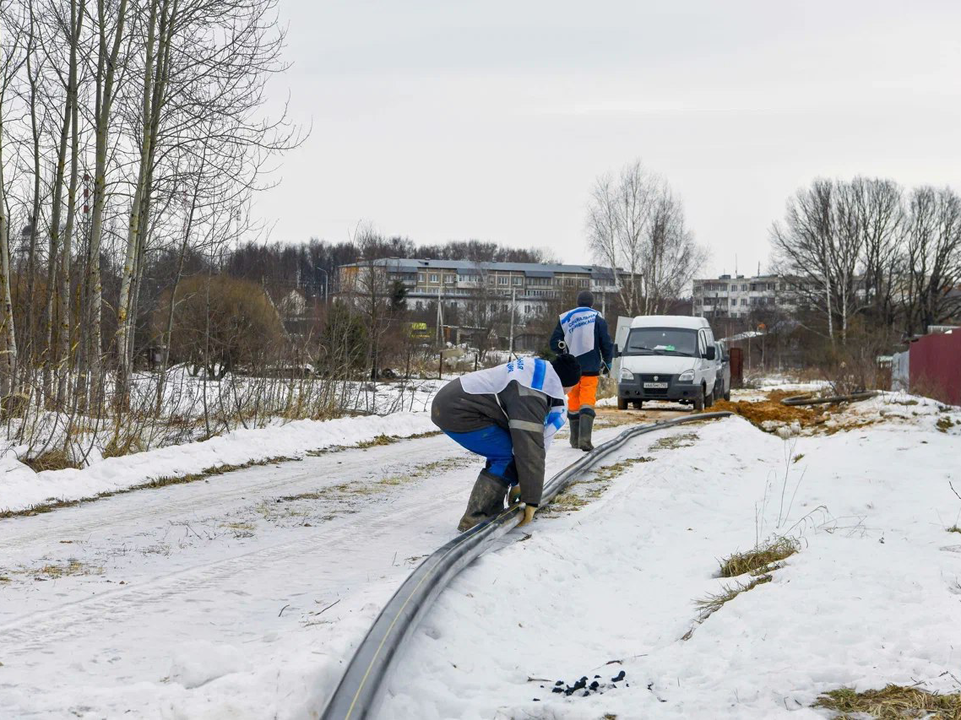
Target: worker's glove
[513,495]
[529,511]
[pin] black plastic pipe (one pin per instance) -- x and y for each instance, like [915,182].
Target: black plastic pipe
[359,691]
[814,400]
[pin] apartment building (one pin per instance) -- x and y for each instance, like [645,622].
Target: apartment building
[530,287]
[738,296]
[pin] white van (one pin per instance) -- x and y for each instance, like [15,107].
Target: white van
[665,357]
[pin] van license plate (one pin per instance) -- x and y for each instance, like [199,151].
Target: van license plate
[656,386]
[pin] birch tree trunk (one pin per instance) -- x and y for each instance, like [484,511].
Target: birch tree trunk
[8,363]
[55,355]
[64,304]
[106,72]
[134,226]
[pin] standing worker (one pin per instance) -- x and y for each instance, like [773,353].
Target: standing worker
[508,414]
[583,332]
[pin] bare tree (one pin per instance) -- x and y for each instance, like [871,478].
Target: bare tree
[10,61]
[933,257]
[670,255]
[636,225]
[110,30]
[375,295]
[881,220]
[803,246]
[619,213]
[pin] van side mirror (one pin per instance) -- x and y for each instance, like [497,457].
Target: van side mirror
[617,351]
[711,353]
[727,357]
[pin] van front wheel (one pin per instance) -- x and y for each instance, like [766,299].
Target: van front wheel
[699,401]
[621,403]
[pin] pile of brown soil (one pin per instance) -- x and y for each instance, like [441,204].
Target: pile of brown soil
[771,409]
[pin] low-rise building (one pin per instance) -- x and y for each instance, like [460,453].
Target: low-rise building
[737,296]
[530,287]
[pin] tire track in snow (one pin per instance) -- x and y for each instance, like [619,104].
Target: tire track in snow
[53,625]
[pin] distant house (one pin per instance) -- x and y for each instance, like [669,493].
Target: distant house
[292,306]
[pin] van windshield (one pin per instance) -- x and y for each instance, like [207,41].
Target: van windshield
[661,341]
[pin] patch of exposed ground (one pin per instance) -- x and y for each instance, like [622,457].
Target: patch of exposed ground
[581,492]
[770,415]
[770,409]
[944,424]
[53,571]
[675,442]
[303,508]
[894,702]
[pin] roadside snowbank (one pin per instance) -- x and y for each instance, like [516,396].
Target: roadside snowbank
[22,488]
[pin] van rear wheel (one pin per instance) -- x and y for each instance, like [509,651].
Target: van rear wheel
[638,404]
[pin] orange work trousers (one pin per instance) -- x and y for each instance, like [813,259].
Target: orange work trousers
[583,394]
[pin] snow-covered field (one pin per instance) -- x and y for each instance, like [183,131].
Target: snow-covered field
[243,595]
[872,597]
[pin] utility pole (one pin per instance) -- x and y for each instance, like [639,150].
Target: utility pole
[510,348]
[326,283]
[440,320]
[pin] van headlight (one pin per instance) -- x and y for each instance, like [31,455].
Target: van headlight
[686,376]
[626,375]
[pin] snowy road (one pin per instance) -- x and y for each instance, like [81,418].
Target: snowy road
[238,596]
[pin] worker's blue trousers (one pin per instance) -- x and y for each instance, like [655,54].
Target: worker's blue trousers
[495,444]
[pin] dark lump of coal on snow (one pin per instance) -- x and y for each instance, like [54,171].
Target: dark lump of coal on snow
[595,687]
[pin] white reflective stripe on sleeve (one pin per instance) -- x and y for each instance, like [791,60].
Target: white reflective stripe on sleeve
[526,425]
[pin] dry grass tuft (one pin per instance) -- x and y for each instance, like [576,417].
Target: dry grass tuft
[72,567]
[119,447]
[712,603]
[760,559]
[674,442]
[894,702]
[50,460]
[382,440]
[954,528]
[944,424]
[377,441]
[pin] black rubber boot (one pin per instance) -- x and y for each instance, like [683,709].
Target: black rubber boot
[486,500]
[586,426]
[574,420]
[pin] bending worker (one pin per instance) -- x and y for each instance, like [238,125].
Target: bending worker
[583,331]
[508,414]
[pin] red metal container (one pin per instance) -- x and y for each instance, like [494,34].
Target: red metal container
[935,367]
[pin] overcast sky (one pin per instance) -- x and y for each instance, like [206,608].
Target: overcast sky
[491,120]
